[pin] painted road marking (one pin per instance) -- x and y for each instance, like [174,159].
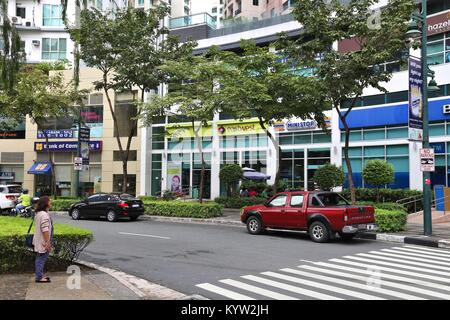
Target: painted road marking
[143,235]
[258,290]
[224,292]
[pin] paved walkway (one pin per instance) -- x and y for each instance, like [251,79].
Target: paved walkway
[94,285]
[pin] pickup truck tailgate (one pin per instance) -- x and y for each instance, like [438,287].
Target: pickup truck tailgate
[360,214]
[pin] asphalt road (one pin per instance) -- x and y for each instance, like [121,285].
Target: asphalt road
[182,256]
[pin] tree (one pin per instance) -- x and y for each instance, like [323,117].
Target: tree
[128,46]
[260,84]
[380,36]
[378,173]
[197,100]
[329,176]
[230,174]
[41,96]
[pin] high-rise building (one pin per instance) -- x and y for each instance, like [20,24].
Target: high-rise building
[180,8]
[256,9]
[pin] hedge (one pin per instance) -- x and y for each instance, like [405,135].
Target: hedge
[383,205]
[238,202]
[15,257]
[390,221]
[183,209]
[147,198]
[63,204]
[386,195]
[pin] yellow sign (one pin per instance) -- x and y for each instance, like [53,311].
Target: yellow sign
[39,146]
[186,131]
[237,128]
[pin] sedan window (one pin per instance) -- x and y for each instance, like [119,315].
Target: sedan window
[95,198]
[279,201]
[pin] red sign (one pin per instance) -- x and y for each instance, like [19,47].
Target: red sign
[439,23]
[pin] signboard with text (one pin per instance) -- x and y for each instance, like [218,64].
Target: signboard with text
[55,134]
[71,146]
[416,101]
[427,160]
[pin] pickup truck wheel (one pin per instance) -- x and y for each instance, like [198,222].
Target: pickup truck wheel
[254,225]
[319,232]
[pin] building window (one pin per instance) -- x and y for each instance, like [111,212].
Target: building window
[256,2]
[156,174]
[131,183]
[54,48]
[438,47]
[21,12]
[52,16]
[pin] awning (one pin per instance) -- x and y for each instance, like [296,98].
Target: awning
[252,174]
[40,168]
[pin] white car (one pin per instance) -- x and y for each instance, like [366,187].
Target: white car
[8,195]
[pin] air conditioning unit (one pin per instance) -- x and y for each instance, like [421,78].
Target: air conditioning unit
[16,20]
[36,43]
[446,108]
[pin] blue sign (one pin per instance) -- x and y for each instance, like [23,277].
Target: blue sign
[66,146]
[439,147]
[416,101]
[55,134]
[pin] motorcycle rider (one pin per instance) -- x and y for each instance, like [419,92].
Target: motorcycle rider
[24,201]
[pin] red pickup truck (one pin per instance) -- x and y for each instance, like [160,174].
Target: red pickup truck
[321,214]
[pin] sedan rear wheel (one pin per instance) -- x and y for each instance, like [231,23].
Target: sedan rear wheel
[112,216]
[76,214]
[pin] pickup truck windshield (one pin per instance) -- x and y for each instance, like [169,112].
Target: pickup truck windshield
[332,200]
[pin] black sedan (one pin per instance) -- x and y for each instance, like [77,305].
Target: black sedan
[110,205]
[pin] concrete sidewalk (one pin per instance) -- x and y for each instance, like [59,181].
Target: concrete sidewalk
[94,285]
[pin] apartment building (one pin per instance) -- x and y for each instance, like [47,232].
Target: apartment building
[256,9]
[379,123]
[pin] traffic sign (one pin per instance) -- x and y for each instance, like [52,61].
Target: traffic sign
[427,160]
[78,164]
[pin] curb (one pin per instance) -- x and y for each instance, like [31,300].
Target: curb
[144,289]
[220,222]
[417,240]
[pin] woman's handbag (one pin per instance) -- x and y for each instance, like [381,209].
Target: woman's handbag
[29,237]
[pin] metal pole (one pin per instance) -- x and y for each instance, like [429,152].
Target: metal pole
[77,172]
[426,139]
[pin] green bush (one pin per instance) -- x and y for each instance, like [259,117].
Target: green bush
[329,176]
[62,204]
[183,209]
[237,202]
[230,174]
[384,205]
[390,221]
[15,257]
[386,195]
[148,198]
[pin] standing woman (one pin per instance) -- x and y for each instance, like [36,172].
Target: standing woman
[43,237]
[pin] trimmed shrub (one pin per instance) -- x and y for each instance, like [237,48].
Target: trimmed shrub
[390,221]
[329,176]
[230,174]
[238,203]
[62,204]
[15,257]
[384,205]
[183,209]
[147,198]
[386,195]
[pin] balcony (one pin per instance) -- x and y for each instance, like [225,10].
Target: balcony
[192,20]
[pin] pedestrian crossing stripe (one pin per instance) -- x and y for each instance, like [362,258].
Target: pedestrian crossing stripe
[407,272]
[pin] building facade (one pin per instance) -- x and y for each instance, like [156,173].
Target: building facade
[378,126]
[23,147]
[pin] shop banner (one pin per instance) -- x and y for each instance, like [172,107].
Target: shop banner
[10,129]
[294,125]
[6,175]
[416,79]
[84,136]
[174,177]
[72,146]
[186,131]
[55,134]
[236,128]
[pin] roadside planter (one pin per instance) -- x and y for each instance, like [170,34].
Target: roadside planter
[15,257]
[183,209]
[390,220]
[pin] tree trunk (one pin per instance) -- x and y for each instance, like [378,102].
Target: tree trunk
[277,150]
[200,149]
[351,185]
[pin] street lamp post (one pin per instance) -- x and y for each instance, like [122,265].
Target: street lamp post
[414,32]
